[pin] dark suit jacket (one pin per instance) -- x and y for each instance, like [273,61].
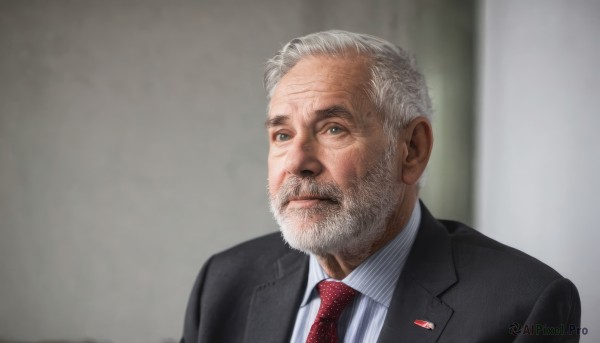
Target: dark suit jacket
[471,287]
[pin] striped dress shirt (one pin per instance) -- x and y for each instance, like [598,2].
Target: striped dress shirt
[375,280]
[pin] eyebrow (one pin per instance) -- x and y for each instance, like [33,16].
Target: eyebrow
[335,111]
[277,120]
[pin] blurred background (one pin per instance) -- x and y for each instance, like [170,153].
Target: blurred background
[132,144]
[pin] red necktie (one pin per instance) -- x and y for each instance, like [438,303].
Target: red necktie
[334,298]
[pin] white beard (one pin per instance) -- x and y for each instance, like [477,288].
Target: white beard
[348,224]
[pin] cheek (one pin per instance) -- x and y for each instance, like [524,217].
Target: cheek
[350,167]
[344,168]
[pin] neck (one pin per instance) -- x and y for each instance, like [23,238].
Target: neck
[339,264]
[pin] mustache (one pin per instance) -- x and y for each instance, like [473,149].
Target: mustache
[295,187]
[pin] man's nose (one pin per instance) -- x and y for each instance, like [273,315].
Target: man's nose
[302,157]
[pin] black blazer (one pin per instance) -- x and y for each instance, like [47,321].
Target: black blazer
[471,287]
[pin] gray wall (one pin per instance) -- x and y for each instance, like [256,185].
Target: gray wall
[132,146]
[538,161]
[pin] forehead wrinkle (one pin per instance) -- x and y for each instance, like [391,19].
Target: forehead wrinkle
[320,87]
[298,87]
[290,93]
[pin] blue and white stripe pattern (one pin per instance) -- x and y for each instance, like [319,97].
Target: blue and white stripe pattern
[375,280]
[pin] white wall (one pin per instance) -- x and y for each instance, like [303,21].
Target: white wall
[538,158]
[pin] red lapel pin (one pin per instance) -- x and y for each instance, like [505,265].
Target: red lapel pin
[424,324]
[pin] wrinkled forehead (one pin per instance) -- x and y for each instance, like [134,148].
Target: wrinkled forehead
[319,81]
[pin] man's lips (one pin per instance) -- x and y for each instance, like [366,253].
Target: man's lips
[308,200]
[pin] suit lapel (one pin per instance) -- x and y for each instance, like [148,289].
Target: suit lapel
[274,304]
[428,272]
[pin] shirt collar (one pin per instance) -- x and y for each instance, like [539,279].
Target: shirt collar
[377,276]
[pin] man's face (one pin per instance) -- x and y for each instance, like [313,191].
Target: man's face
[331,189]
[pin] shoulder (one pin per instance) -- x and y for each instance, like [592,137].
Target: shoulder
[474,251]
[497,285]
[260,250]
[503,280]
[239,269]
[250,261]
[226,284]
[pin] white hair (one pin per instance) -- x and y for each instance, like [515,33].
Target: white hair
[397,89]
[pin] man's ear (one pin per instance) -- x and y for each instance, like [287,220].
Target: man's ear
[414,145]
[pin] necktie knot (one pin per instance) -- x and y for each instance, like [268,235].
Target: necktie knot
[335,296]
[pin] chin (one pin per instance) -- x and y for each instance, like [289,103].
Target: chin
[326,237]
[306,236]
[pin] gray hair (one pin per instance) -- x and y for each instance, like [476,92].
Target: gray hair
[397,89]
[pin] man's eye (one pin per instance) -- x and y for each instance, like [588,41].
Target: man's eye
[282,137]
[335,130]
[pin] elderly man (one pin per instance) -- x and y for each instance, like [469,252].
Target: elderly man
[362,259]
